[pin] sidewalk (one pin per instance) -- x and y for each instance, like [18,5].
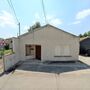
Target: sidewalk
[24,80]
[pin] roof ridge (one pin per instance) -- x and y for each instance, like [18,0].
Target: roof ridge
[36,29]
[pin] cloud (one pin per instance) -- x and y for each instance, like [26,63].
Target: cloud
[56,21]
[37,16]
[83,14]
[26,27]
[76,22]
[7,19]
[51,19]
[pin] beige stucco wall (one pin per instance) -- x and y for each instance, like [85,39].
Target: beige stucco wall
[49,39]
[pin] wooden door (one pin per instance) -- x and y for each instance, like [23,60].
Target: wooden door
[38,52]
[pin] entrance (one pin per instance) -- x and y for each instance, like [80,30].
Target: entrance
[38,52]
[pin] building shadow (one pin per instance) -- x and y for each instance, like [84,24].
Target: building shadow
[52,67]
[84,55]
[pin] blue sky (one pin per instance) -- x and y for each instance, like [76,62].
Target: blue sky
[70,15]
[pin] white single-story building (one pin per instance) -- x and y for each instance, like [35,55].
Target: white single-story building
[47,43]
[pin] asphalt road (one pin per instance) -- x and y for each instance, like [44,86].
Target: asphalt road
[32,80]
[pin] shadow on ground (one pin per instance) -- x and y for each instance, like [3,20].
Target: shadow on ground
[51,67]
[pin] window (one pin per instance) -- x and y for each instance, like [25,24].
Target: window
[29,50]
[62,51]
[58,51]
[66,51]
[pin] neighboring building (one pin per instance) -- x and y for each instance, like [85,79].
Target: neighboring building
[85,46]
[8,42]
[47,43]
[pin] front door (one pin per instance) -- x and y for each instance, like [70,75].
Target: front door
[38,52]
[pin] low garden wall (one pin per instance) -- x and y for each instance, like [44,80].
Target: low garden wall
[10,61]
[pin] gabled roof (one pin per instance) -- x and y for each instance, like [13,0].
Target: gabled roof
[84,38]
[44,27]
[62,30]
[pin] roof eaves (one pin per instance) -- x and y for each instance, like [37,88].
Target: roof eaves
[62,30]
[32,31]
[81,39]
[46,26]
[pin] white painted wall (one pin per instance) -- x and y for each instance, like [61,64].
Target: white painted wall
[50,38]
[16,47]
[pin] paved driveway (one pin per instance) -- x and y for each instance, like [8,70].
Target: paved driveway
[52,67]
[23,79]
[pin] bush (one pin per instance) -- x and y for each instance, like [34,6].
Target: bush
[6,47]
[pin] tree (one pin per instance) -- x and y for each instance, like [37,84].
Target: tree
[80,35]
[85,34]
[6,47]
[88,33]
[36,25]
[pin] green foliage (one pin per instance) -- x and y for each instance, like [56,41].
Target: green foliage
[80,35]
[6,47]
[1,52]
[36,25]
[88,33]
[85,34]
[6,52]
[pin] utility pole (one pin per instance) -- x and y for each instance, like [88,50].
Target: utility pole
[19,39]
[44,12]
[19,28]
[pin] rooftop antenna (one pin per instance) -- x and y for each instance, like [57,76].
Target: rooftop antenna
[44,12]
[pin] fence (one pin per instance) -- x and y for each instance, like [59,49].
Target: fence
[10,61]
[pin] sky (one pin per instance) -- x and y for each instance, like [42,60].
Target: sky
[72,16]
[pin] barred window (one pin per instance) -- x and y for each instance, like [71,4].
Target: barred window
[62,50]
[29,50]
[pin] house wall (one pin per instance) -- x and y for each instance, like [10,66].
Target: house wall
[16,48]
[51,40]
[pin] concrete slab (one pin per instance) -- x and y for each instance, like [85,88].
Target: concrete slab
[32,80]
[37,66]
[24,80]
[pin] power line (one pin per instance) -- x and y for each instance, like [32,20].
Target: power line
[12,7]
[44,12]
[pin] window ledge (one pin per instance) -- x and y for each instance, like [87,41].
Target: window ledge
[62,56]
